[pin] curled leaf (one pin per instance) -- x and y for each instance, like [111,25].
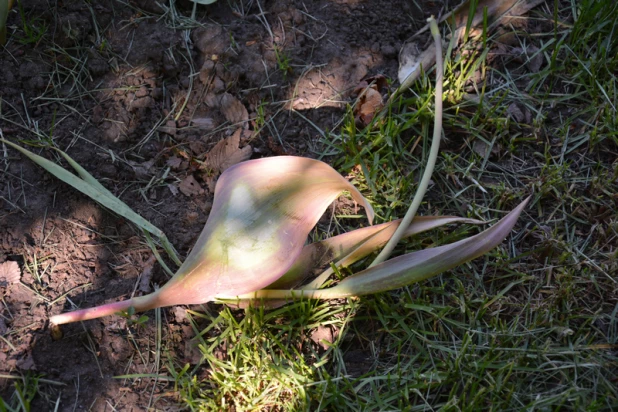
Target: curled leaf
[404,270]
[423,264]
[344,250]
[352,246]
[262,213]
[369,103]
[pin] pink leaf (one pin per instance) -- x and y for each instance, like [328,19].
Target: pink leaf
[262,213]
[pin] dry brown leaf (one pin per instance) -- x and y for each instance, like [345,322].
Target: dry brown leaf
[369,103]
[142,170]
[515,113]
[535,59]
[211,100]
[234,111]
[173,187]
[211,182]
[226,153]
[180,314]
[417,53]
[174,162]
[189,186]
[193,354]
[146,277]
[205,123]
[26,363]
[323,336]
[169,128]
[480,147]
[10,272]
[498,12]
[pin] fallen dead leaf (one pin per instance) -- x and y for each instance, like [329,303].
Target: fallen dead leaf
[275,147]
[419,52]
[211,182]
[174,162]
[26,363]
[10,272]
[189,186]
[193,354]
[206,71]
[226,153]
[146,277]
[323,336]
[169,128]
[379,81]
[516,113]
[180,314]
[369,103]
[481,148]
[205,123]
[534,58]
[234,111]
[198,147]
[173,188]
[142,170]
[211,100]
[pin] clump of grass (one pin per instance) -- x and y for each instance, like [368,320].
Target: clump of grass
[26,387]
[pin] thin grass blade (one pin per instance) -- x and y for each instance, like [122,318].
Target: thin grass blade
[89,186]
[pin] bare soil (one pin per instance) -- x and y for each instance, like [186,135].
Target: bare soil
[139,101]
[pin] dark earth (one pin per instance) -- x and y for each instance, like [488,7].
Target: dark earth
[138,93]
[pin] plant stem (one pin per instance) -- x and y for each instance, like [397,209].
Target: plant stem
[141,304]
[433,153]
[285,294]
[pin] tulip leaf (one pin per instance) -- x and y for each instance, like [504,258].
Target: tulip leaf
[353,246]
[404,270]
[262,213]
[423,264]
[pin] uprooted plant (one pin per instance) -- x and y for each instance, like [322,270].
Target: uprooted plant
[251,250]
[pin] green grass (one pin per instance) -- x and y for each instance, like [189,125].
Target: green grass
[25,388]
[530,326]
